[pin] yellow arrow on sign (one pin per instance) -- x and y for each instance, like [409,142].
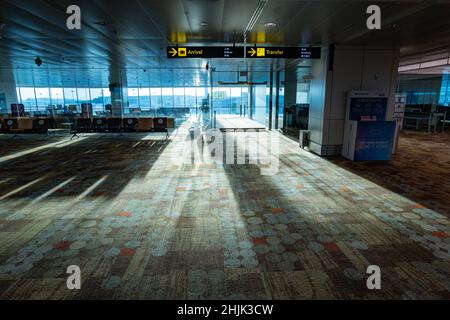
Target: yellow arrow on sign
[173,51]
[252,52]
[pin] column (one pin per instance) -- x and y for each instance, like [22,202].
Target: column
[342,69]
[290,91]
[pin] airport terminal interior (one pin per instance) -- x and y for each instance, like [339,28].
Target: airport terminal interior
[224,149]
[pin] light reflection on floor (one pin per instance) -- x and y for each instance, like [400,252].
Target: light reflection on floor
[143,226]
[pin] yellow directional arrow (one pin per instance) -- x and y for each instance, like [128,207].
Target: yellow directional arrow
[173,51]
[252,52]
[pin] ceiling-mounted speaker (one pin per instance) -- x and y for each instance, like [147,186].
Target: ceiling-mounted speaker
[38,61]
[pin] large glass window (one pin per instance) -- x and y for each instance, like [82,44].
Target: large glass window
[18,95]
[281,108]
[178,97]
[57,96]
[28,98]
[260,104]
[302,93]
[97,99]
[83,95]
[155,94]
[167,97]
[144,98]
[236,100]
[162,101]
[43,98]
[245,100]
[444,97]
[190,99]
[70,96]
[221,100]
[106,96]
[133,98]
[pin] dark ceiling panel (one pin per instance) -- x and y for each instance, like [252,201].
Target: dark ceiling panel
[133,34]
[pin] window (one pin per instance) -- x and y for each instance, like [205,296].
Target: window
[28,98]
[18,95]
[167,97]
[57,96]
[178,97]
[70,96]
[97,99]
[302,93]
[83,95]
[202,93]
[155,95]
[106,96]
[260,104]
[133,98]
[144,98]
[444,96]
[190,98]
[302,97]
[237,106]
[43,98]
[221,100]
[158,100]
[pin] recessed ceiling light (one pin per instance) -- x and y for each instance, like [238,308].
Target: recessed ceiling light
[203,23]
[102,23]
[270,25]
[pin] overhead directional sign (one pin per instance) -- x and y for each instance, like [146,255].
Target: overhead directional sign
[205,52]
[238,52]
[284,52]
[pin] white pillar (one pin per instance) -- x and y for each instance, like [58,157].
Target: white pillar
[342,69]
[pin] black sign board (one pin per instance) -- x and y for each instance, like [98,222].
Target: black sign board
[284,52]
[205,52]
[238,52]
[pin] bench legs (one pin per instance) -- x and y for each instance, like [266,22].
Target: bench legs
[74,135]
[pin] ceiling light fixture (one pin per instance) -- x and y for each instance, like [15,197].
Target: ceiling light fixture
[102,23]
[203,23]
[270,25]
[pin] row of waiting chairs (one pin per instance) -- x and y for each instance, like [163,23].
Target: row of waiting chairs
[85,125]
[25,125]
[110,124]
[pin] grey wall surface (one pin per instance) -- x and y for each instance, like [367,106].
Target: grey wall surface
[350,68]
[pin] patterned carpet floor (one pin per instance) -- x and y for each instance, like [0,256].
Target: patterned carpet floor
[143,226]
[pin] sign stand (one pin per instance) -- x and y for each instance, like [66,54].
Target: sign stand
[399,115]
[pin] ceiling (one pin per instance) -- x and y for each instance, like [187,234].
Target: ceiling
[122,38]
[435,63]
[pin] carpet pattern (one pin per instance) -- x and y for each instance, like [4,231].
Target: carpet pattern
[142,226]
